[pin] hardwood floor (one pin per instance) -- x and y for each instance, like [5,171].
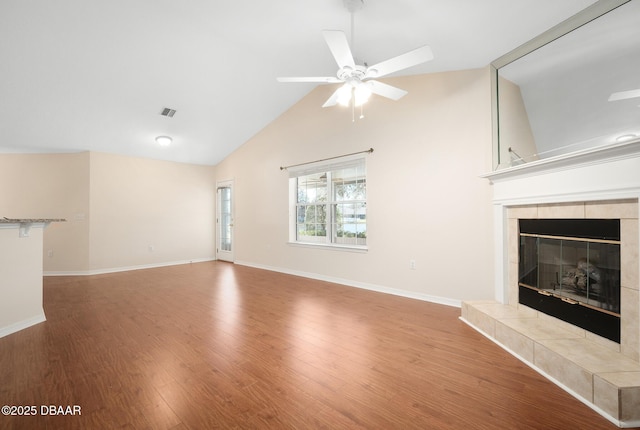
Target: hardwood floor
[216,345]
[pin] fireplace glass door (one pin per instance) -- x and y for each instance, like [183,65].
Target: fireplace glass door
[576,279]
[579,270]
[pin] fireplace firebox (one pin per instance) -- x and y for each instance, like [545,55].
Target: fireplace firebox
[570,269]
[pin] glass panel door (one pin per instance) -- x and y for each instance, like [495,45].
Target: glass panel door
[224,246]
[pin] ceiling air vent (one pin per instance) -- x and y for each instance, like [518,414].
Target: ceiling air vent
[168,112]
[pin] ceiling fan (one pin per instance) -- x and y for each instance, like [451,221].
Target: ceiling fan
[358,80]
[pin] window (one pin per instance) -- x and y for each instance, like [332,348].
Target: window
[329,204]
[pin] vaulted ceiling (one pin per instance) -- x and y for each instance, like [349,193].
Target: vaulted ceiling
[78,75]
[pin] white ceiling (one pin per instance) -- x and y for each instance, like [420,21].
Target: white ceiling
[78,75]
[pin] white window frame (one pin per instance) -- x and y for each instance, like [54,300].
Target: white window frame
[331,240]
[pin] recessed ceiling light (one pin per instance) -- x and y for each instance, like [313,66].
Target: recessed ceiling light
[164,140]
[626,137]
[623,95]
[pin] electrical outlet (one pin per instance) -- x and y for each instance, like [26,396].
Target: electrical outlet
[151,248]
[50,253]
[412,264]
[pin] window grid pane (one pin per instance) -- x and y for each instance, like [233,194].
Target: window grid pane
[350,223]
[311,223]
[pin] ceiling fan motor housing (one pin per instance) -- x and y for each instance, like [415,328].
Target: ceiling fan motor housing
[348,74]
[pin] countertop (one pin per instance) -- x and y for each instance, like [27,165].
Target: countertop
[6,220]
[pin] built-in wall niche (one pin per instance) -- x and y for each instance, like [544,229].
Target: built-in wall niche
[573,88]
[570,269]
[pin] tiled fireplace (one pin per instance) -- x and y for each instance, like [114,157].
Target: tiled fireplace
[594,185]
[624,210]
[570,268]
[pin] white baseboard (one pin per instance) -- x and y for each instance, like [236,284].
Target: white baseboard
[125,268]
[357,284]
[366,286]
[21,325]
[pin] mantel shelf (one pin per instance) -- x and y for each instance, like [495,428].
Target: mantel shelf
[603,154]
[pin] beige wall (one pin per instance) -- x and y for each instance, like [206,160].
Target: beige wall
[50,186]
[425,198]
[149,212]
[116,207]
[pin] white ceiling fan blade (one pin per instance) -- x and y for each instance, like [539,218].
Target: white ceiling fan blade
[333,100]
[385,90]
[623,95]
[404,61]
[339,47]
[320,79]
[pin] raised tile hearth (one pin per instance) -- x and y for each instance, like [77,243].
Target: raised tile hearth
[601,377]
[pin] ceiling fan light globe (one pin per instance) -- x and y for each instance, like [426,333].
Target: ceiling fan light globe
[361,94]
[344,95]
[344,101]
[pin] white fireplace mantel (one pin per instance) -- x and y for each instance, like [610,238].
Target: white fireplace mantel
[604,173]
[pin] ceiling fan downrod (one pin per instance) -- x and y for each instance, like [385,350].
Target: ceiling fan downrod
[353,5]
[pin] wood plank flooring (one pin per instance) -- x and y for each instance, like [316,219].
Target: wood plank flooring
[216,345]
